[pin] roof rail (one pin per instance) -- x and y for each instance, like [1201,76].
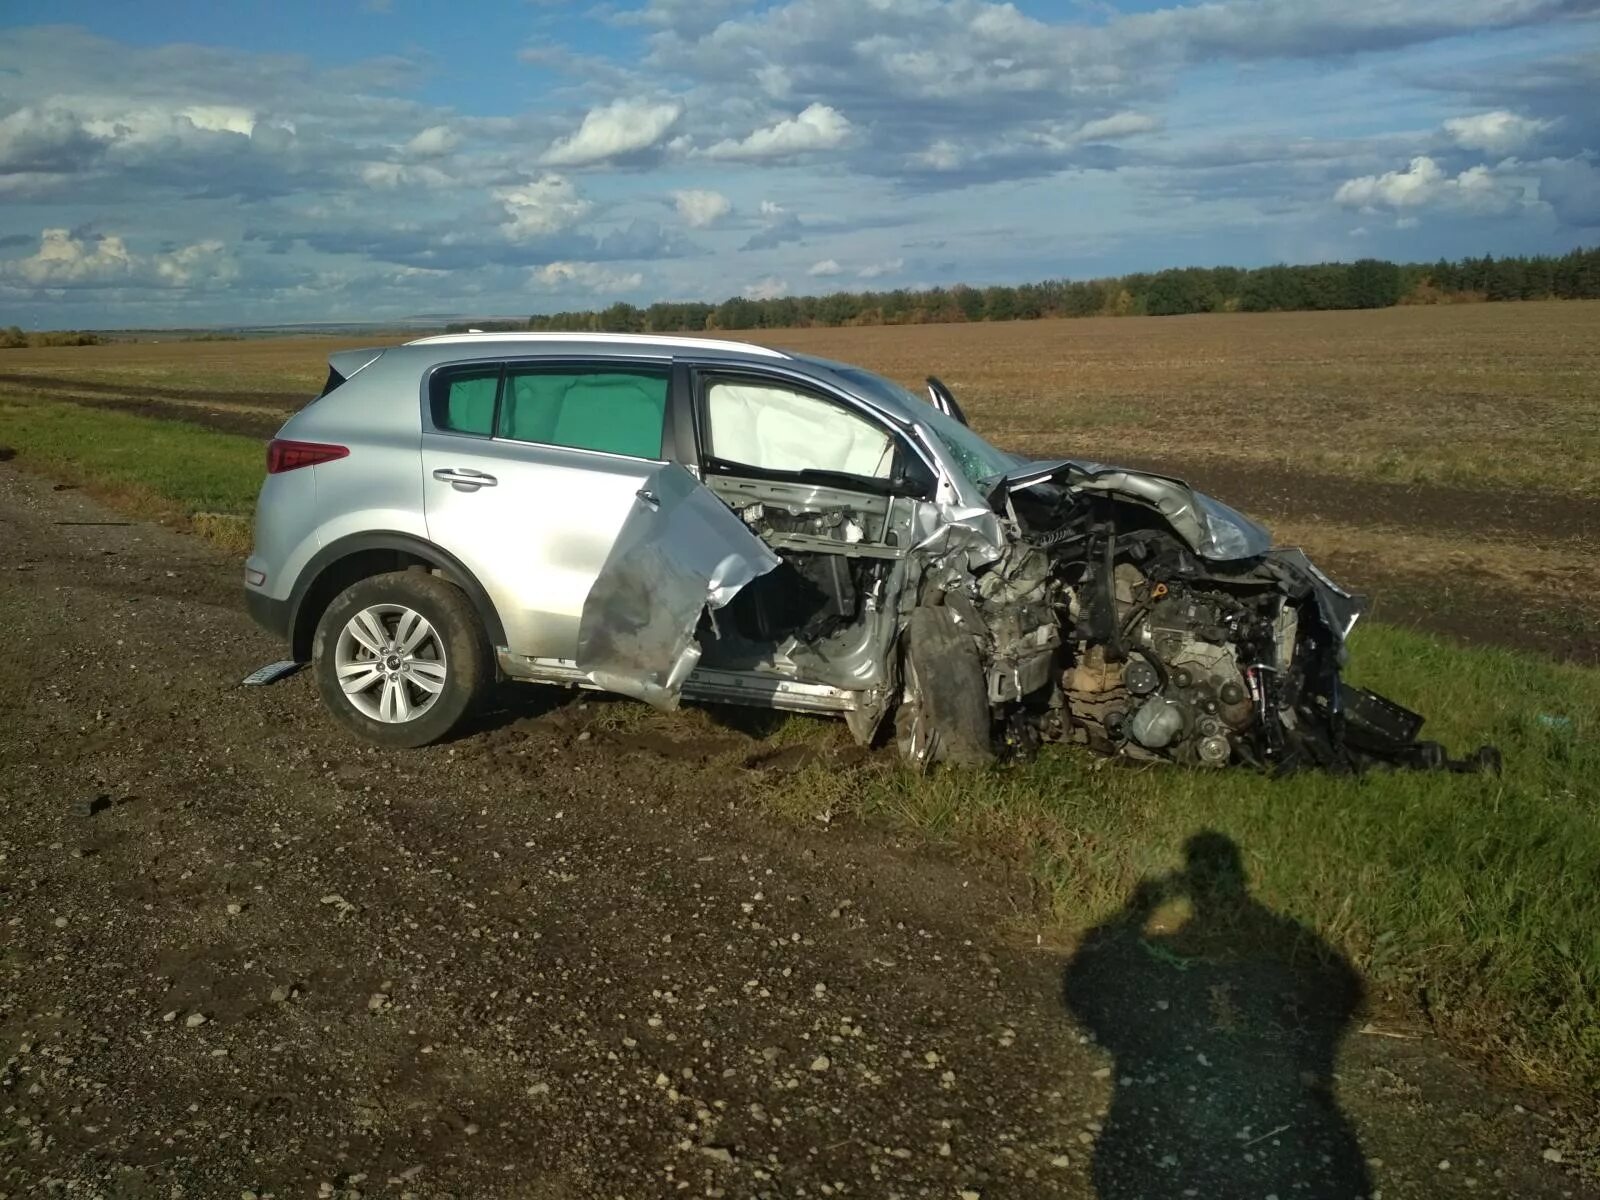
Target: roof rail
[626,339]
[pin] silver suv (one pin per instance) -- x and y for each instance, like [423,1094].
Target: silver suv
[673,518]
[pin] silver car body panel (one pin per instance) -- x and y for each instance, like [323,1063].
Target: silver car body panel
[707,684]
[537,571]
[680,551]
[349,363]
[378,488]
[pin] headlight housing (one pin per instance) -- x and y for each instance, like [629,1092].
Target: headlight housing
[1229,533]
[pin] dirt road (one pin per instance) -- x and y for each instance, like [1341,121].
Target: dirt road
[241,955]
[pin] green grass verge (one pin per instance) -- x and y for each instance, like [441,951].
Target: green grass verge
[1475,894]
[151,467]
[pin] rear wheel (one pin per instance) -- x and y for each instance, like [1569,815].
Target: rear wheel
[945,714]
[401,659]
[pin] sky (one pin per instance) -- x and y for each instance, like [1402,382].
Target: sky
[186,163]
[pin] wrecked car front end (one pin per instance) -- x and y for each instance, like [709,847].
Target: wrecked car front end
[981,605]
[1128,612]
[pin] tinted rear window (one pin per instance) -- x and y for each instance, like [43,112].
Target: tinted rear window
[463,401]
[617,411]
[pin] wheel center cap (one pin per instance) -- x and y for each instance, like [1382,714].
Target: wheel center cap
[392,662]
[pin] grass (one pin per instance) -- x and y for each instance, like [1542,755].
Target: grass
[161,469]
[1472,895]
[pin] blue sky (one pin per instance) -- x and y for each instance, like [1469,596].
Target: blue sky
[204,163]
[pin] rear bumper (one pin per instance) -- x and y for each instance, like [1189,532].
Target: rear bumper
[275,616]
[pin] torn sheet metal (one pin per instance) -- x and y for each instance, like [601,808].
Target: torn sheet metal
[1211,528]
[1340,609]
[680,552]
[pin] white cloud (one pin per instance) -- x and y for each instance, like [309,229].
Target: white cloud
[879,269]
[548,205]
[1425,184]
[941,155]
[825,268]
[1418,184]
[433,142]
[395,175]
[1498,132]
[769,288]
[619,128]
[1117,125]
[591,277]
[65,261]
[817,127]
[203,262]
[701,208]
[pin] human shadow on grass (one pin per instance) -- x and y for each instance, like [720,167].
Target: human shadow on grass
[1224,1028]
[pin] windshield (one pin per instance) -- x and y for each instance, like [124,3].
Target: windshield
[976,458]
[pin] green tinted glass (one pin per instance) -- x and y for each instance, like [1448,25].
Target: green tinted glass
[465,404]
[619,412]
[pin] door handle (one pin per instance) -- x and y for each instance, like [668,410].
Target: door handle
[465,478]
[649,497]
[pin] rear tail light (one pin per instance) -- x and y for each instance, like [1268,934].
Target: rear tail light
[283,455]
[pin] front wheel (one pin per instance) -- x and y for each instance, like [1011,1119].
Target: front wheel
[401,659]
[944,716]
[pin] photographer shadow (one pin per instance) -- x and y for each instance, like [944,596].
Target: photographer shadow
[1224,1019]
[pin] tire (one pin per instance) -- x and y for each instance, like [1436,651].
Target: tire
[945,717]
[401,659]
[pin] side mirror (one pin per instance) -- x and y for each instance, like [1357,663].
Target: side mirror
[942,398]
[911,477]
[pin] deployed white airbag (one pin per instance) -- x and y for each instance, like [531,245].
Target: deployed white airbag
[776,429]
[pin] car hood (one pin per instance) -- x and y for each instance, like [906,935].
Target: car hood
[1211,528]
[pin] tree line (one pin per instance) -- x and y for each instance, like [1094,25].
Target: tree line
[13,337]
[1366,283]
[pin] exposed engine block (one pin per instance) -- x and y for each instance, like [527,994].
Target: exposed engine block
[1177,684]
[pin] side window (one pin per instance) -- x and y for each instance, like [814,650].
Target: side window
[773,427]
[617,411]
[463,400]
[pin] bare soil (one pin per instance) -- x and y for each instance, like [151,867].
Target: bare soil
[557,958]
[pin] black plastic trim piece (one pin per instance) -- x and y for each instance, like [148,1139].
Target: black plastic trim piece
[275,616]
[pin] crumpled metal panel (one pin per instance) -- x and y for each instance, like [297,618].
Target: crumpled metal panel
[955,540]
[679,552]
[1340,609]
[1211,529]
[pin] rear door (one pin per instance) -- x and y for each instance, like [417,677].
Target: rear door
[530,470]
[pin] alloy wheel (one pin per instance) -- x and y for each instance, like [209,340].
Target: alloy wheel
[390,663]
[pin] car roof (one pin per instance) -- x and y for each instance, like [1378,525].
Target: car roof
[437,350]
[636,341]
